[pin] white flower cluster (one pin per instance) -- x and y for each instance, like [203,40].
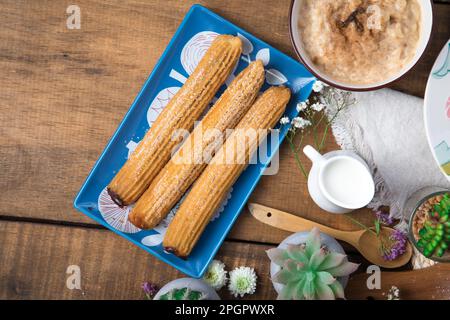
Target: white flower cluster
[301,106]
[284,120]
[394,293]
[307,108]
[318,106]
[216,276]
[242,279]
[318,86]
[300,123]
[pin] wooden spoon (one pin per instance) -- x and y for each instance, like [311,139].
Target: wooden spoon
[365,241]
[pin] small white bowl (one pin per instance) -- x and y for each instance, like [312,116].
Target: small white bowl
[426,27]
[191,283]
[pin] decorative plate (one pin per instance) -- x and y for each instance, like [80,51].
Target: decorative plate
[437,110]
[183,53]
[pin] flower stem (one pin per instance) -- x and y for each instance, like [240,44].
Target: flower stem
[296,156]
[320,120]
[325,132]
[360,224]
[324,136]
[299,144]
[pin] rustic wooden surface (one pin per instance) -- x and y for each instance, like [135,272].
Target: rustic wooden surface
[63,93]
[425,284]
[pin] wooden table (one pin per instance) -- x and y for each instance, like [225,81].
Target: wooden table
[64,92]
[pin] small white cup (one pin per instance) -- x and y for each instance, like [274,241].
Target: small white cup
[339,181]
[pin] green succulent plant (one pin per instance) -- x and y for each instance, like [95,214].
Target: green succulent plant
[183,294]
[435,234]
[310,271]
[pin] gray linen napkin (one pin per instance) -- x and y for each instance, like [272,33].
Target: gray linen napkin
[386,128]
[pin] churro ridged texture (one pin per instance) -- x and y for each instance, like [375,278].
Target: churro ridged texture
[184,108]
[211,188]
[191,159]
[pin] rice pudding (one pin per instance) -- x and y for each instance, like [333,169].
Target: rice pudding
[360,41]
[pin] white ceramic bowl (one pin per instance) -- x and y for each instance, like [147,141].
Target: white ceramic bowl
[427,22]
[191,283]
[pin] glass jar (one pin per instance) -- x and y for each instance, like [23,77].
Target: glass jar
[415,210]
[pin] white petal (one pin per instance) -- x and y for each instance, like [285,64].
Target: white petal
[247,46]
[153,240]
[264,56]
[275,77]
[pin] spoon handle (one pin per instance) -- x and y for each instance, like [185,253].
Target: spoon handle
[293,223]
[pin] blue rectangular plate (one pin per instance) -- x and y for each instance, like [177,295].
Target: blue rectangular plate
[179,59]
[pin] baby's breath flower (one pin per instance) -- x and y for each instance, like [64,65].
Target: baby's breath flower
[317,86]
[216,276]
[394,293]
[242,281]
[328,100]
[301,106]
[284,120]
[317,106]
[300,123]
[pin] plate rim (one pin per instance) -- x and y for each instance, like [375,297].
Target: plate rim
[426,104]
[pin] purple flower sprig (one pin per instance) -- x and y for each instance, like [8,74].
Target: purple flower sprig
[391,245]
[395,246]
[149,289]
[384,218]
